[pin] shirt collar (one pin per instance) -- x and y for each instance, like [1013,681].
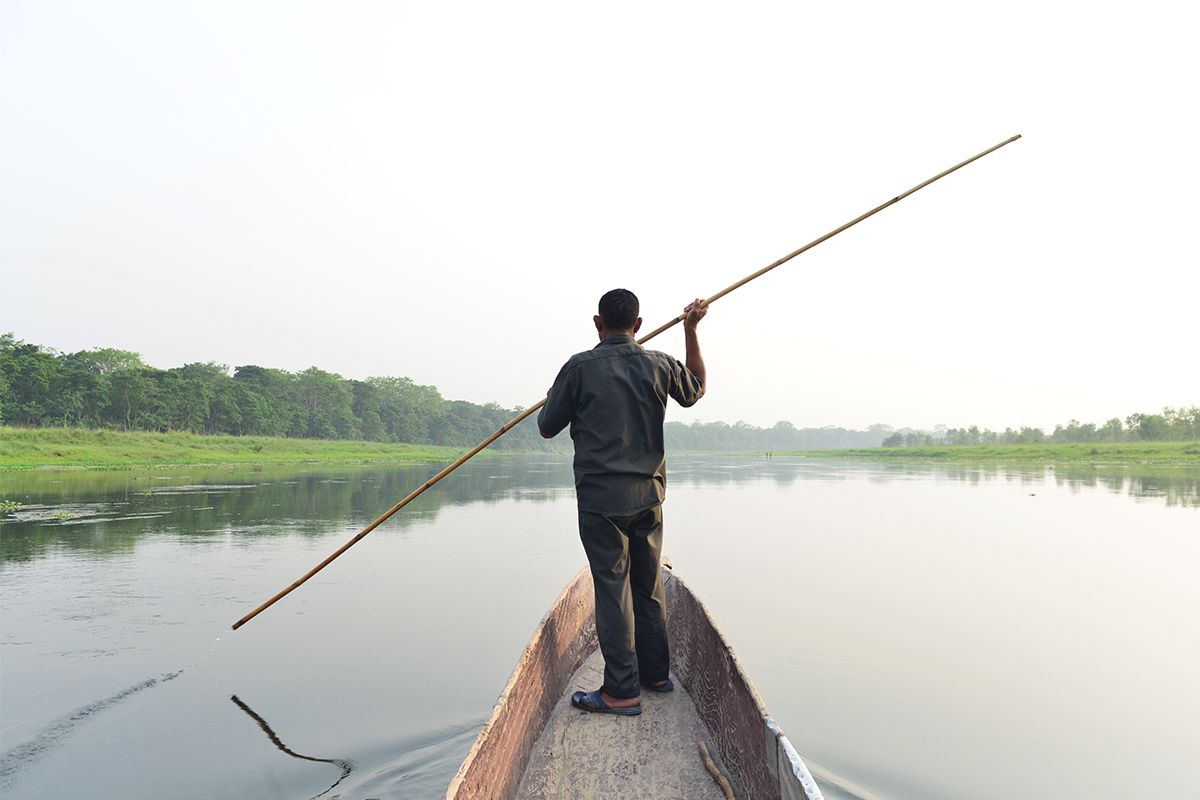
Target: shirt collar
[622,339]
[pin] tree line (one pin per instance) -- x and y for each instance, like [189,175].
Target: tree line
[109,388]
[783,435]
[1172,425]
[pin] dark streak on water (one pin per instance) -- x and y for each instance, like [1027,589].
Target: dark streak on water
[25,755]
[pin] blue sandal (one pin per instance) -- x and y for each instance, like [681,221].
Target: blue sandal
[666,686]
[592,701]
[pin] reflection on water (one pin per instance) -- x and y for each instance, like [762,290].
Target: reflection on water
[1177,486]
[122,507]
[344,765]
[883,608]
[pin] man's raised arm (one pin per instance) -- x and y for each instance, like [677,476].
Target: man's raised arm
[694,312]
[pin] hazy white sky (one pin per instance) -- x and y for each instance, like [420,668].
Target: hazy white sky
[443,190]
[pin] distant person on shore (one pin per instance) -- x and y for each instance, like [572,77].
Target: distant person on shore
[614,397]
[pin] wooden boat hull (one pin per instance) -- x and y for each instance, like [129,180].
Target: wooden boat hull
[761,762]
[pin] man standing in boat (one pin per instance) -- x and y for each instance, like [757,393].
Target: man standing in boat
[614,397]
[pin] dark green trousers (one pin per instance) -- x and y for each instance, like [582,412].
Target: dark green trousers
[631,613]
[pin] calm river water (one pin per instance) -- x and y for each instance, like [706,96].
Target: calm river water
[923,632]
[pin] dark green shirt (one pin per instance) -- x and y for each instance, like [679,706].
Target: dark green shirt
[614,397]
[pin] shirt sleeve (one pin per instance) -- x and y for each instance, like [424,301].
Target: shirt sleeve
[560,402]
[685,387]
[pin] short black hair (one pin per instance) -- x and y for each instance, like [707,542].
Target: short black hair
[619,309]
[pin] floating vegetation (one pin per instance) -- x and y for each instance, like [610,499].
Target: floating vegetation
[58,513]
[198,487]
[8,505]
[69,520]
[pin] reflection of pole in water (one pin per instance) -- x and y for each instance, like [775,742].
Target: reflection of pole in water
[345,766]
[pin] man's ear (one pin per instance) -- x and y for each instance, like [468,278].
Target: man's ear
[637,325]
[599,321]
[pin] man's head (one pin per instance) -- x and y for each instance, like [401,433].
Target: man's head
[618,314]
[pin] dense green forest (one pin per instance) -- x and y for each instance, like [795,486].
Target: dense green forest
[107,388]
[115,389]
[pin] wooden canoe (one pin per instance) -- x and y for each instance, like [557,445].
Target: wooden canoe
[535,745]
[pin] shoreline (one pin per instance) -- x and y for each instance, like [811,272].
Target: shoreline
[1093,453]
[76,449]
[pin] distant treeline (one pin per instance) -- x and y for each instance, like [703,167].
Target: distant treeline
[718,436]
[107,388]
[115,389]
[1172,425]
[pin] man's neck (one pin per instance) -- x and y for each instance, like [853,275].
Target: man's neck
[614,334]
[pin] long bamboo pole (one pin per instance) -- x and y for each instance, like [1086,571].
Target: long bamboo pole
[527,412]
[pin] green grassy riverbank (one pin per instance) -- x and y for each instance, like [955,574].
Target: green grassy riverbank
[76,448]
[65,448]
[1096,453]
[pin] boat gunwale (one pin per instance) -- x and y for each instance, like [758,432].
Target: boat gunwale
[786,754]
[518,676]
